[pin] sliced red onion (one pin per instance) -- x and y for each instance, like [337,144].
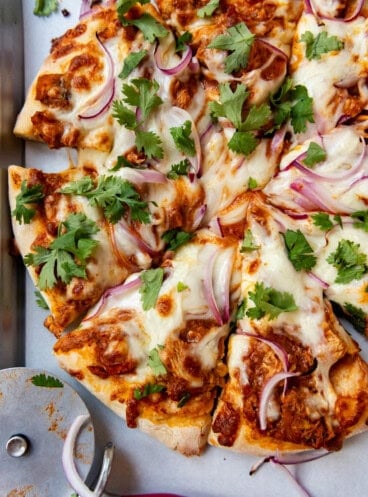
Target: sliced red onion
[310,173]
[323,284]
[115,290]
[301,489]
[278,140]
[224,277]
[318,198]
[266,394]
[176,69]
[273,48]
[209,290]
[296,215]
[291,458]
[136,239]
[216,227]
[70,470]
[279,351]
[140,176]
[101,102]
[199,215]
[311,8]
[86,9]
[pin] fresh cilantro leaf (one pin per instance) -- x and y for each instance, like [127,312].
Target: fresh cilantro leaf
[125,116]
[243,142]
[121,161]
[41,380]
[300,253]
[357,317]
[66,257]
[302,109]
[44,8]
[240,311]
[151,283]
[26,196]
[322,221]
[149,143]
[351,264]
[148,389]
[142,93]
[123,6]
[248,244]
[230,104]
[338,220]
[155,363]
[360,220]
[182,41]
[238,40]
[252,183]
[257,117]
[150,27]
[131,62]
[179,169]
[40,301]
[175,238]
[114,196]
[184,399]
[208,9]
[282,93]
[181,286]
[315,46]
[269,302]
[315,154]
[182,139]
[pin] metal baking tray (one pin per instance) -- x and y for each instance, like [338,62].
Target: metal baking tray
[141,464]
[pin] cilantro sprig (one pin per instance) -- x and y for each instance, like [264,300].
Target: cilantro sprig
[294,103]
[269,302]
[113,195]
[27,196]
[350,262]
[238,41]
[131,62]
[208,9]
[357,317]
[248,243]
[148,389]
[155,362]
[182,139]
[360,219]
[67,255]
[299,251]
[323,221]
[151,284]
[314,155]
[176,237]
[147,24]
[141,94]
[230,106]
[179,169]
[44,8]
[43,380]
[315,46]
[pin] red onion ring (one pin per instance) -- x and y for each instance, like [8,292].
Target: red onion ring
[178,68]
[199,215]
[311,9]
[115,290]
[357,168]
[317,198]
[266,394]
[141,176]
[101,102]
[279,351]
[321,282]
[209,290]
[291,459]
[70,470]
[300,488]
[216,227]
[136,239]
[224,277]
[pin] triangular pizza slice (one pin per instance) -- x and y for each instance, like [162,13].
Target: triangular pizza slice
[296,380]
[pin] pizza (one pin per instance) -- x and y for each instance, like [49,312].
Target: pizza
[197,257]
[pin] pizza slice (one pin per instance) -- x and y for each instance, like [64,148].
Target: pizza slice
[152,349]
[80,232]
[296,380]
[116,58]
